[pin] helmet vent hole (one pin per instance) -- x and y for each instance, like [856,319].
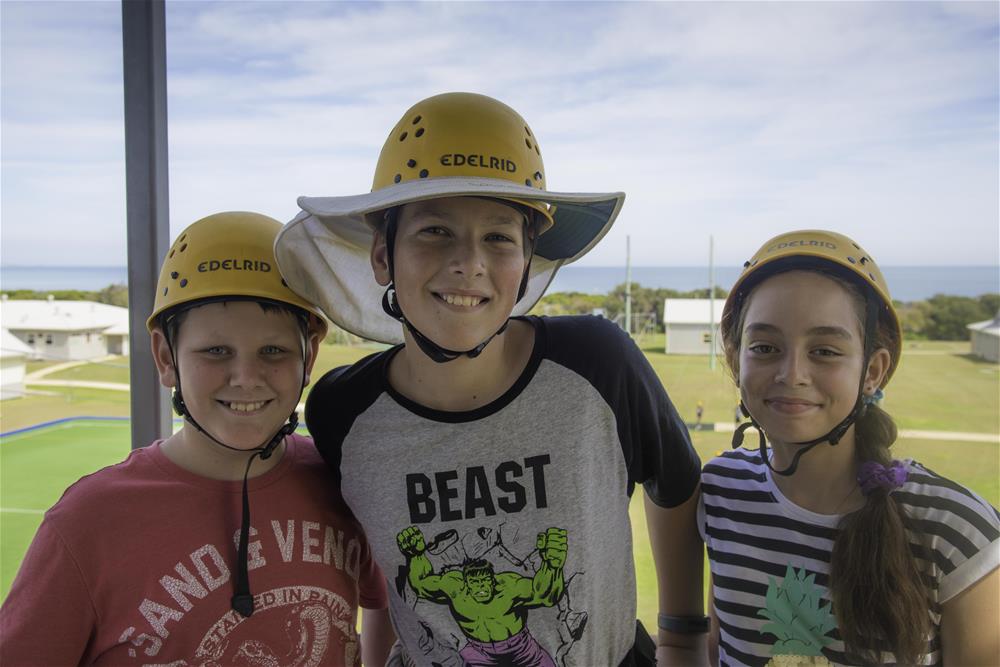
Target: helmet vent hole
[171,253]
[419,132]
[417,119]
[402,137]
[164,291]
[873,278]
[424,173]
[183,236]
[527,131]
[527,142]
[184,282]
[537,152]
[184,247]
[173,274]
[538,175]
[746,264]
[864,260]
[397,178]
[851,260]
[527,182]
[411,163]
[855,245]
[283,283]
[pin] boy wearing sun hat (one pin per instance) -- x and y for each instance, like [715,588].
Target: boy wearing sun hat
[489,455]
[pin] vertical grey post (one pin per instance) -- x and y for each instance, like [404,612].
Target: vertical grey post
[145,70]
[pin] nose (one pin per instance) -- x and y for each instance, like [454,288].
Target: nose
[246,372]
[792,369]
[467,257]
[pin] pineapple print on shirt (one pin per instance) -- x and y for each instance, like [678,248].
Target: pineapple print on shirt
[798,620]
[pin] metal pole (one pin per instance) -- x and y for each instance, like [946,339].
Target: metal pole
[711,301]
[628,285]
[145,75]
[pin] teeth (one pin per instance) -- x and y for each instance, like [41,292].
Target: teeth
[459,300]
[245,407]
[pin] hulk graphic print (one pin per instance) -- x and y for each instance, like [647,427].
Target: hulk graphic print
[490,607]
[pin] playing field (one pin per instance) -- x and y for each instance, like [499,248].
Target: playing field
[36,465]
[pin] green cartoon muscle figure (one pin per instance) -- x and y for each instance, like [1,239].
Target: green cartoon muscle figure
[491,608]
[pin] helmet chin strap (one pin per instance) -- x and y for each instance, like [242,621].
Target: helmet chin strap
[834,435]
[242,600]
[391,306]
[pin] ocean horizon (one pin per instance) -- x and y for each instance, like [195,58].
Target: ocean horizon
[907,283]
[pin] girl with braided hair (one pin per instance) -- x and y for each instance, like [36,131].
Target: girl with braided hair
[824,549]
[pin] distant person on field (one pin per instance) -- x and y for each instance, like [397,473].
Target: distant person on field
[159,559]
[699,411]
[491,458]
[825,549]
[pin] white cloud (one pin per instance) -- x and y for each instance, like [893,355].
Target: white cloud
[733,119]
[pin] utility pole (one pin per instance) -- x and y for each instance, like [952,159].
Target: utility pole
[711,301]
[628,285]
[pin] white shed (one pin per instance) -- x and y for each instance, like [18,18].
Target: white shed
[985,338]
[13,357]
[688,324]
[67,330]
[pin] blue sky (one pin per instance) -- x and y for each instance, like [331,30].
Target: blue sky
[741,120]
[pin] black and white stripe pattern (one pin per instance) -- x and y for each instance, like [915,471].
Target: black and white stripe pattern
[754,534]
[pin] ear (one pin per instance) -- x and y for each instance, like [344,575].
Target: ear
[162,358]
[312,349]
[878,368]
[380,259]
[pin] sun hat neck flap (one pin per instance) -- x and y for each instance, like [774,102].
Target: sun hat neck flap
[323,253]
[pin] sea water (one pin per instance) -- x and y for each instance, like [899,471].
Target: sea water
[907,283]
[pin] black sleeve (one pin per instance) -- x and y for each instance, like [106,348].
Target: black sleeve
[654,440]
[336,401]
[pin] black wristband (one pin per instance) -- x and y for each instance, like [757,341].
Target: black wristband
[683,625]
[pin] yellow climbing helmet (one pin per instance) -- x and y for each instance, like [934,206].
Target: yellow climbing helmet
[814,249]
[463,135]
[225,255]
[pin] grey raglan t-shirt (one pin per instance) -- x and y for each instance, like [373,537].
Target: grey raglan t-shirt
[503,532]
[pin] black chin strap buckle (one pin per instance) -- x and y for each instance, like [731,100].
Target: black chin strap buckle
[242,605]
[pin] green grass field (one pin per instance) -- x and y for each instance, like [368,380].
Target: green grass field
[36,466]
[937,387]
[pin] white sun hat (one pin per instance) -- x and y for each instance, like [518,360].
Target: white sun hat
[450,145]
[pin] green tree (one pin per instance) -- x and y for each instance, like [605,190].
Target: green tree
[949,315]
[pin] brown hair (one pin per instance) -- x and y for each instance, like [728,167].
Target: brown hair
[879,597]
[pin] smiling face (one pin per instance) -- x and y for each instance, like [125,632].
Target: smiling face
[801,355]
[241,369]
[458,263]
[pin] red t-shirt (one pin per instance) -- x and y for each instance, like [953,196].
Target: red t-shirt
[136,564]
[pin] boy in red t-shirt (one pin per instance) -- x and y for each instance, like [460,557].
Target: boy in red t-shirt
[158,559]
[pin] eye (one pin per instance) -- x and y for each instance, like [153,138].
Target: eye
[434,230]
[216,350]
[272,350]
[762,348]
[827,352]
[498,237]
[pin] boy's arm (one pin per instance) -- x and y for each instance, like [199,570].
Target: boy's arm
[679,558]
[377,637]
[48,616]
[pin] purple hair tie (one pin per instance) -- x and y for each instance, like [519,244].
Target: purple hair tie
[873,475]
